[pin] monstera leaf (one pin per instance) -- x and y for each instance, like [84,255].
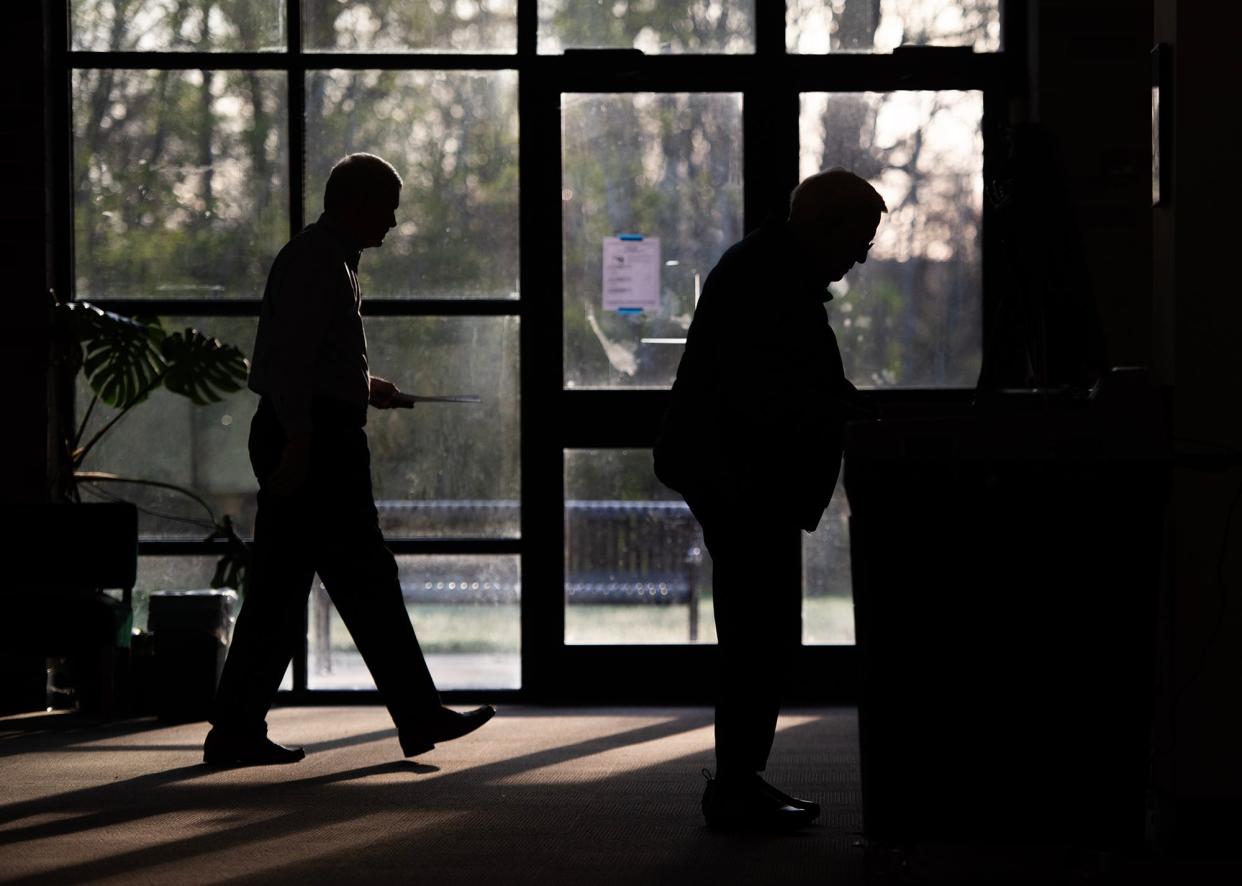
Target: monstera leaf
[201,368]
[120,356]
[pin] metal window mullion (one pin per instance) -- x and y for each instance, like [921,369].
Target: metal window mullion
[432,307]
[189,307]
[295,86]
[296,109]
[58,130]
[993,125]
[528,654]
[606,71]
[465,545]
[377,307]
[769,30]
[527,29]
[60,134]
[542,627]
[262,61]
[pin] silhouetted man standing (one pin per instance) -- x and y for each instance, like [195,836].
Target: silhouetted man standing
[752,440]
[316,511]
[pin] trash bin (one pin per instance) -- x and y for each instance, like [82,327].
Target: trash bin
[191,632]
[1005,572]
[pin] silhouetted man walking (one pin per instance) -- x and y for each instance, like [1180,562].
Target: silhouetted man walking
[316,511]
[752,440]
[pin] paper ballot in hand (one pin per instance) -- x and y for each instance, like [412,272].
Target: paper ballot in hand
[408,400]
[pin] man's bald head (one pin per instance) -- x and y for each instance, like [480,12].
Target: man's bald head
[833,196]
[833,215]
[362,196]
[359,178]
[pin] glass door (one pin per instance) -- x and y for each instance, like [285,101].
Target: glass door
[666,160]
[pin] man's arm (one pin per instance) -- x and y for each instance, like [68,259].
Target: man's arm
[853,405]
[293,467]
[296,325]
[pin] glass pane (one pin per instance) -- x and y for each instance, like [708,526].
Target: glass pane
[180,182]
[447,469]
[385,26]
[913,314]
[466,611]
[636,568]
[669,26]
[827,588]
[818,26]
[453,137]
[175,25]
[439,470]
[1155,145]
[660,165]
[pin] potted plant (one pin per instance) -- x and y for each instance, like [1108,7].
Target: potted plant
[124,360]
[67,621]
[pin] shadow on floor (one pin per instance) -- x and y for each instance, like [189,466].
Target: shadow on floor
[512,820]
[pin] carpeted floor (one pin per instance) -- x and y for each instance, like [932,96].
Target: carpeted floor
[538,796]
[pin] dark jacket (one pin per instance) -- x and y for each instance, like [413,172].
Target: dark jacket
[757,413]
[310,343]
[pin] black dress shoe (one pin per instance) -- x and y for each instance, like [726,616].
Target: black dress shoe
[742,805]
[445,725]
[797,802]
[225,749]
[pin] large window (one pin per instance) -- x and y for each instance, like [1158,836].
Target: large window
[466,610]
[666,167]
[454,136]
[636,569]
[544,144]
[191,170]
[669,26]
[820,26]
[173,172]
[912,315]
[384,26]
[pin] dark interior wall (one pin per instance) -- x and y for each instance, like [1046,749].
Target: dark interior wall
[24,252]
[1198,316]
[1089,74]
[1167,299]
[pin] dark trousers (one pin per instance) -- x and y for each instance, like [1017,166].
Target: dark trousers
[757,601]
[330,527]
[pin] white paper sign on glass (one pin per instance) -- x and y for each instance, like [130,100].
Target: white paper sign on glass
[631,274]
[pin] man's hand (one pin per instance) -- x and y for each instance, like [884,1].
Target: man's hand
[854,405]
[382,392]
[294,465]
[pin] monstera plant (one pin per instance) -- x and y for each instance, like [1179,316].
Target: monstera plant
[124,360]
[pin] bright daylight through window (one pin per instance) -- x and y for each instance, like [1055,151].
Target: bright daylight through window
[186,177]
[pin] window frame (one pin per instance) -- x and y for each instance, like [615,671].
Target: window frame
[770,80]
